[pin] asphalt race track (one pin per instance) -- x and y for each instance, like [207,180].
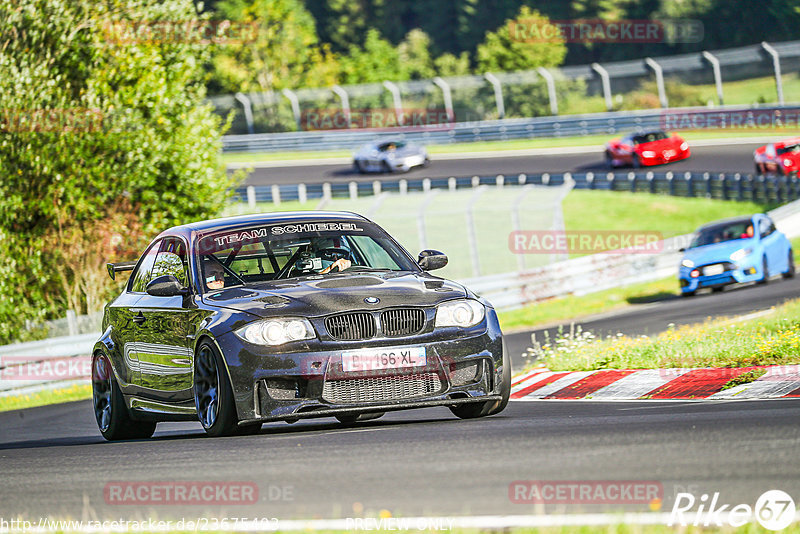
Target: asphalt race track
[724,158]
[425,462]
[55,464]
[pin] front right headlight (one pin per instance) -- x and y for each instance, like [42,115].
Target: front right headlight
[276,331]
[741,254]
[462,312]
[648,154]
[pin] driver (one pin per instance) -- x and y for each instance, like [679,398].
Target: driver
[214,275]
[333,251]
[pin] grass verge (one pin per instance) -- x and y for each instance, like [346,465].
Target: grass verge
[773,339]
[43,398]
[516,144]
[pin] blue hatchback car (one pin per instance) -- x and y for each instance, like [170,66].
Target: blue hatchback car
[742,249]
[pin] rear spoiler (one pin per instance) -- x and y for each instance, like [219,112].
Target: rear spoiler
[114,268]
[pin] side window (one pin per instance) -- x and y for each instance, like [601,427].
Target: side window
[765,227]
[141,276]
[171,260]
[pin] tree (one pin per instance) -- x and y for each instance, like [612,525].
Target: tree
[415,56]
[284,53]
[527,48]
[378,60]
[106,140]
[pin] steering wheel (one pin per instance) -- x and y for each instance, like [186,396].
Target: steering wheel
[334,253]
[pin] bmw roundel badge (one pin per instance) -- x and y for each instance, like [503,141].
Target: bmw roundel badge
[372,300]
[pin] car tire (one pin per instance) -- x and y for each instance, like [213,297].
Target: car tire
[359,167]
[347,419]
[609,160]
[426,162]
[764,272]
[688,293]
[385,167]
[718,289]
[790,270]
[213,395]
[249,430]
[112,415]
[636,163]
[483,409]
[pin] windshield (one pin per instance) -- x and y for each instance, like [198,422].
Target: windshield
[724,232]
[649,137]
[283,251]
[789,149]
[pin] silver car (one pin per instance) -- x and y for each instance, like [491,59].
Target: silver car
[390,156]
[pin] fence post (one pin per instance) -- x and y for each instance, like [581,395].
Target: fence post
[451,183]
[498,94]
[251,197]
[522,179]
[398,101]
[671,183]
[500,180]
[72,323]
[740,188]
[403,184]
[276,194]
[288,93]
[376,188]
[516,224]
[551,89]
[352,188]
[426,185]
[662,93]
[651,181]
[632,181]
[689,184]
[326,191]
[302,193]
[606,81]
[448,97]
[717,73]
[546,178]
[472,232]
[340,91]
[776,65]
[476,181]
[247,106]
[590,179]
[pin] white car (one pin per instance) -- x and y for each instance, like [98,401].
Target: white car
[389,156]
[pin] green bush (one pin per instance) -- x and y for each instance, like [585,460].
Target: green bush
[104,141]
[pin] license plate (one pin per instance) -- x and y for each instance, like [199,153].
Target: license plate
[669,153]
[712,270]
[390,358]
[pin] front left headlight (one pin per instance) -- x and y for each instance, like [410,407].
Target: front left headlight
[684,146]
[276,331]
[462,312]
[687,263]
[741,254]
[648,154]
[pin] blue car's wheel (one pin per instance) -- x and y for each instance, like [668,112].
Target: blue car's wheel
[764,271]
[790,270]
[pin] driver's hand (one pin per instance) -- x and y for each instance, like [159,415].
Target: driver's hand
[341,264]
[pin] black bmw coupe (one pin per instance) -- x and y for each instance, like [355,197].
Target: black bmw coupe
[283,316]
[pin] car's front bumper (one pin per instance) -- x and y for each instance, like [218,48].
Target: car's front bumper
[745,270]
[664,157]
[311,383]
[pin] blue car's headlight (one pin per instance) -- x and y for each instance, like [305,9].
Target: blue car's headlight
[462,312]
[741,254]
[276,331]
[687,263]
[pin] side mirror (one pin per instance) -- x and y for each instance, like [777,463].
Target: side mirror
[430,260]
[165,286]
[682,249]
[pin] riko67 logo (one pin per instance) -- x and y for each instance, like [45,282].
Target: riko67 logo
[774,510]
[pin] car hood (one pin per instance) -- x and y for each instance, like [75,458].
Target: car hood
[662,144]
[323,295]
[718,251]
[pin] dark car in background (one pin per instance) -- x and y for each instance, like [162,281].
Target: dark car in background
[646,148]
[239,321]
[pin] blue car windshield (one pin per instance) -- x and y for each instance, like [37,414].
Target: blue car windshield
[723,232]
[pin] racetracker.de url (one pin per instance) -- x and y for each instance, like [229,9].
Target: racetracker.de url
[45,524]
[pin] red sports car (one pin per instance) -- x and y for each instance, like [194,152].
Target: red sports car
[782,157]
[646,148]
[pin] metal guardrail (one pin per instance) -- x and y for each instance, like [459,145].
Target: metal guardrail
[723,186]
[498,130]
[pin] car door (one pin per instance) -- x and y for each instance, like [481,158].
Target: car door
[772,246]
[162,343]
